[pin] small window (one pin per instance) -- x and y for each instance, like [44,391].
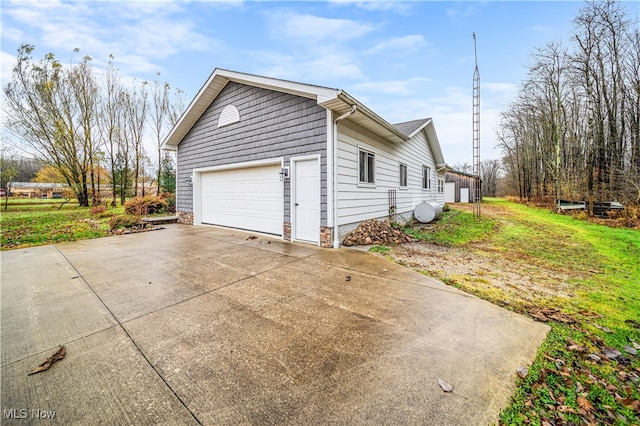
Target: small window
[403,174]
[426,177]
[366,166]
[440,186]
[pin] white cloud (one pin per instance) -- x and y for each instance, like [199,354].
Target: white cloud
[405,45]
[298,28]
[7,62]
[312,48]
[463,9]
[139,33]
[400,7]
[320,67]
[392,87]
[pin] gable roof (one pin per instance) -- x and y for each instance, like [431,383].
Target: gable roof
[336,100]
[409,127]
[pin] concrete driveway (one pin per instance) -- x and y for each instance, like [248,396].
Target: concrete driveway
[200,325]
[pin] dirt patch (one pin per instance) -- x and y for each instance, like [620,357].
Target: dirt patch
[485,270]
[507,278]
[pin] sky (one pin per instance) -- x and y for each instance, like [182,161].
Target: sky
[403,60]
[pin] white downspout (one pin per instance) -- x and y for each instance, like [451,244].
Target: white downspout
[334,154]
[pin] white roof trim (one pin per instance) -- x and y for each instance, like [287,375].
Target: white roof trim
[219,79]
[434,143]
[335,100]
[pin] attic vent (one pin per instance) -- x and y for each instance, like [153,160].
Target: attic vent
[229,115]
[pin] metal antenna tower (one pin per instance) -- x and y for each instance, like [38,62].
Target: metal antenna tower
[477,189]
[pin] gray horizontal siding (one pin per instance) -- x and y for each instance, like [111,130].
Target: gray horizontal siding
[272,124]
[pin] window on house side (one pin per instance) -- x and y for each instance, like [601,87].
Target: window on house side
[403,174]
[440,186]
[366,166]
[426,177]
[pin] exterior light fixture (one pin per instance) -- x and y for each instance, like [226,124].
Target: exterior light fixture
[284,173]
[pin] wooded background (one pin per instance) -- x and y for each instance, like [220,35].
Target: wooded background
[574,130]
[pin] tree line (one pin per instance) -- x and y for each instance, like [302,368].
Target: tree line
[79,121]
[574,130]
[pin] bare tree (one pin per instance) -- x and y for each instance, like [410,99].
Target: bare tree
[159,115]
[47,111]
[574,129]
[489,171]
[136,103]
[8,171]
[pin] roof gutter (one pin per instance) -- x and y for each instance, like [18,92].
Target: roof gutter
[373,116]
[334,173]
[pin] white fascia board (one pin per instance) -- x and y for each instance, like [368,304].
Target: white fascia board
[434,144]
[396,134]
[216,82]
[194,110]
[242,165]
[425,124]
[320,93]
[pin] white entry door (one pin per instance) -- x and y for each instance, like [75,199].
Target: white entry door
[464,195]
[306,200]
[449,192]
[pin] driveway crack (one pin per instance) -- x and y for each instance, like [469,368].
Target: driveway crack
[135,344]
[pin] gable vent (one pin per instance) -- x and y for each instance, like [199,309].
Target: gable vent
[229,115]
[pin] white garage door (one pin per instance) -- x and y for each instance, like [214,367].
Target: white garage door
[249,198]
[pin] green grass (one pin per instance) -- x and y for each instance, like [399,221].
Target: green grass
[564,385]
[29,224]
[379,249]
[454,228]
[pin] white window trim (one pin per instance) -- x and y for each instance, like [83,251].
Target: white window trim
[400,185]
[375,166]
[422,178]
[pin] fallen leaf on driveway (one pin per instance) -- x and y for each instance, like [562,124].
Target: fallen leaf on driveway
[348,277]
[522,371]
[252,237]
[445,386]
[52,359]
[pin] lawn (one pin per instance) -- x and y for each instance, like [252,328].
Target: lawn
[582,278]
[28,223]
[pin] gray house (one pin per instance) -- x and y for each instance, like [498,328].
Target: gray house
[305,162]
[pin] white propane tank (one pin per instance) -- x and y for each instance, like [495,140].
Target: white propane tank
[425,212]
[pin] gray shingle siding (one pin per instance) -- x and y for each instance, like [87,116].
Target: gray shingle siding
[272,124]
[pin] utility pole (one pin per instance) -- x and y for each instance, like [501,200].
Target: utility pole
[477,189]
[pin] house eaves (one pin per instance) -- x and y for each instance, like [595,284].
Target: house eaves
[219,79]
[335,100]
[365,117]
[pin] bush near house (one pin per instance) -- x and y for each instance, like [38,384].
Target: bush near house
[123,221]
[149,204]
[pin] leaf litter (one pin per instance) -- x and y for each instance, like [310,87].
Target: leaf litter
[60,354]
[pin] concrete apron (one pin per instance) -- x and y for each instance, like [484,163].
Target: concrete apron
[200,325]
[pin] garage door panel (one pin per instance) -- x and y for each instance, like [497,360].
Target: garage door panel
[247,198]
